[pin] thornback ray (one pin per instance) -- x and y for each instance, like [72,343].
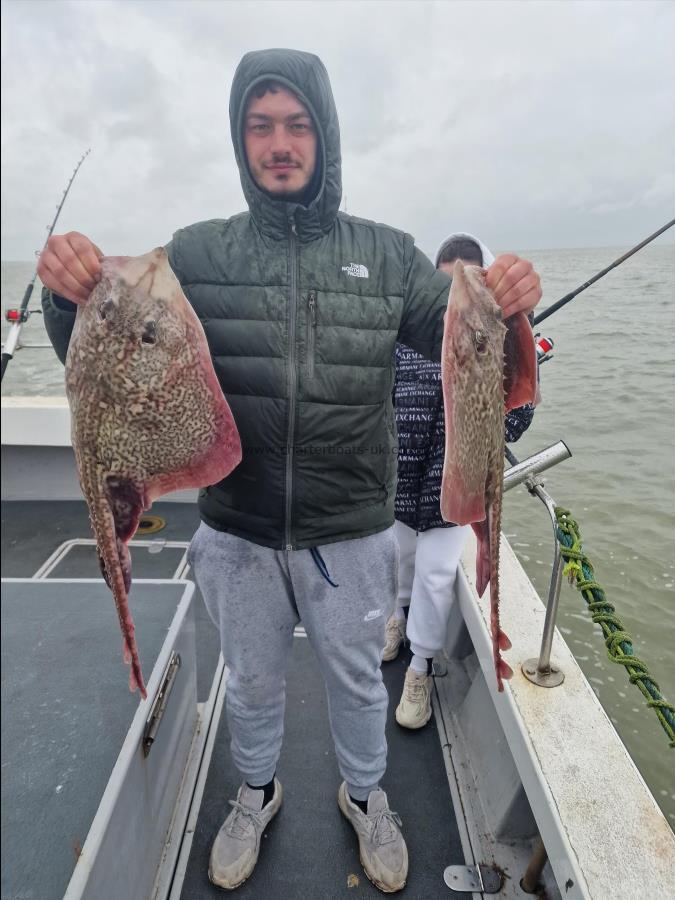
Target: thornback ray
[488,367]
[148,415]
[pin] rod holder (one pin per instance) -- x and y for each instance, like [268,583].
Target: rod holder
[520,472]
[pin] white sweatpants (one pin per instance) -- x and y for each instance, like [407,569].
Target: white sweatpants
[426,580]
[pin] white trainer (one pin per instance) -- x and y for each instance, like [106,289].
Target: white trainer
[237,844]
[395,635]
[414,710]
[382,849]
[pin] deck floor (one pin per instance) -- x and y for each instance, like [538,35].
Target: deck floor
[309,850]
[32,530]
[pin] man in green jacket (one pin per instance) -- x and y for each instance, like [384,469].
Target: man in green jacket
[302,306]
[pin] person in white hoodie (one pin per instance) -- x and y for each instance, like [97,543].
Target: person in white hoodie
[429,547]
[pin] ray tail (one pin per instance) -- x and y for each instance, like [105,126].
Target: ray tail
[116,567]
[499,639]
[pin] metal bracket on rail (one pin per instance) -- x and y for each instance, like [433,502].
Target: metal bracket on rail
[475,879]
[541,671]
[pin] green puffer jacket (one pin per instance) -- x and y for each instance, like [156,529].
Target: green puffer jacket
[302,307]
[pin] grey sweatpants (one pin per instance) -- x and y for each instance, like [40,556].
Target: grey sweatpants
[256,596]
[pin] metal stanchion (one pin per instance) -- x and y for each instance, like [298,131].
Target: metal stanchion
[541,671]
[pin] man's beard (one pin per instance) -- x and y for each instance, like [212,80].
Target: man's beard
[301,196]
[292,196]
[304,196]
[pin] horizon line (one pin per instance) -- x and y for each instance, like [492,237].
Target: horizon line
[515,250]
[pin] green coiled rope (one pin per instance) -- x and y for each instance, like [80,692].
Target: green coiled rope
[618,641]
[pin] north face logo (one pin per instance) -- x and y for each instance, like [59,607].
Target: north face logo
[356,270]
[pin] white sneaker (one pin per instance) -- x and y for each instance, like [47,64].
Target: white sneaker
[382,849]
[414,710]
[395,635]
[237,844]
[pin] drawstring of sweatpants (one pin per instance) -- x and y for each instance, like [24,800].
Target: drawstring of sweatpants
[321,565]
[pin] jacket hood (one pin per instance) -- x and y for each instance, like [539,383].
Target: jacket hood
[488,257]
[306,76]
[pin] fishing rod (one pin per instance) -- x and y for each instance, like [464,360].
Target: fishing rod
[617,262]
[18,317]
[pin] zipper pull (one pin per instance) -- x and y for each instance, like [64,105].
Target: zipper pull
[312,306]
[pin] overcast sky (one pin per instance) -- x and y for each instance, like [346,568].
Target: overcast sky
[531,124]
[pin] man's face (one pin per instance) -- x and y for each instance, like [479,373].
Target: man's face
[280,141]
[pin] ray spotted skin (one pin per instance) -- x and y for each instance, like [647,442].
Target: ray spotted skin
[148,415]
[488,367]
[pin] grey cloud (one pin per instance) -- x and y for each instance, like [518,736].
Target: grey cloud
[531,124]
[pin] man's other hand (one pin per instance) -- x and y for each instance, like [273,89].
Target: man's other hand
[514,283]
[69,266]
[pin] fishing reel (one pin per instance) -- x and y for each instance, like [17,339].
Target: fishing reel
[19,316]
[544,346]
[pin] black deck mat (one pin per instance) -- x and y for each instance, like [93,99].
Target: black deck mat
[309,850]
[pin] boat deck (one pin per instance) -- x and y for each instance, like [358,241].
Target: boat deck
[309,850]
